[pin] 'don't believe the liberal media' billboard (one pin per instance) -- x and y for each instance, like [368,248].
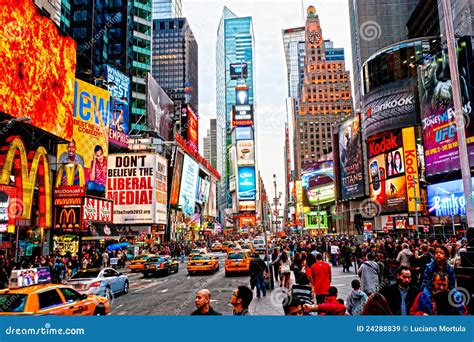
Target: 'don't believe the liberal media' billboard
[37,69]
[88,148]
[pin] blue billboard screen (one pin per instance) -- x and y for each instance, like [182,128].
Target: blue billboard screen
[246,183]
[447,199]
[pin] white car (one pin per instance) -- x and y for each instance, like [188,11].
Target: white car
[101,282]
[259,244]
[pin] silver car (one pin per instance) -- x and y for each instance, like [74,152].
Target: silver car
[104,282]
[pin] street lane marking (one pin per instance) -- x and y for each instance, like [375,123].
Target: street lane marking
[118,307]
[163,291]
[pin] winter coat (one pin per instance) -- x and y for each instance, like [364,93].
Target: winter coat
[369,276]
[404,257]
[355,302]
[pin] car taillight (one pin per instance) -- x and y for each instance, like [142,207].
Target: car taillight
[162,265]
[95,284]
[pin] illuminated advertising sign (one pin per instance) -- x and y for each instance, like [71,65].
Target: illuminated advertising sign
[447,199]
[68,218]
[160,110]
[88,148]
[119,89]
[189,181]
[243,133]
[318,182]
[238,71]
[246,205]
[131,184]
[242,115]
[411,167]
[192,129]
[246,183]
[350,159]
[98,210]
[241,96]
[211,206]
[316,219]
[7,208]
[176,183]
[37,69]
[33,170]
[387,172]
[202,193]
[437,109]
[245,153]
[392,105]
[247,221]
[161,190]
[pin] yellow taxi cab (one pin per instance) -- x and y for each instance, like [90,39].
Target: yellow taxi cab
[27,294]
[216,247]
[224,246]
[232,246]
[237,261]
[248,247]
[203,263]
[197,251]
[138,263]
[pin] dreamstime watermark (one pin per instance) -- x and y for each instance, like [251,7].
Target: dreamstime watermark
[369,208]
[13,31]
[46,330]
[191,297]
[280,297]
[8,125]
[102,32]
[459,297]
[370,30]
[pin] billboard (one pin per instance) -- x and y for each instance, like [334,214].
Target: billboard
[161,190]
[211,205]
[119,89]
[202,192]
[245,153]
[131,185]
[392,105]
[176,182]
[317,179]
[189,181]
[88,148]
[351,168]
[246,205]
[447,199]
[98,210]
[247,221]
[7,208]
[238,71]
[387,182]
[246,183]
[68,218]
[316,219]
[243,133]
[411,167]
[437,109]
[192,129]
[37,70]
[241,96]
[242,115]
[160,110]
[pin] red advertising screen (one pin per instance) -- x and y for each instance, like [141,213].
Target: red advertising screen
[192,129]
[37,69]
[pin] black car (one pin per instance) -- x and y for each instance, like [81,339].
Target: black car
[160,264]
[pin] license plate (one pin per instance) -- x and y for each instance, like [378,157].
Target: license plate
[199,264]
[152,266]
[237,264]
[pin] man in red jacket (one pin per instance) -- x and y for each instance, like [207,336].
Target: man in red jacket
[331,305]
[321,276]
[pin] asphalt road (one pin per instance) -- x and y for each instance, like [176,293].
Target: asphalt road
[174,294]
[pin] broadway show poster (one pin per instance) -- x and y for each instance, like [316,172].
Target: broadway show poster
[350,159]
[387,172]
[89,145]
[437,109]
[131,184]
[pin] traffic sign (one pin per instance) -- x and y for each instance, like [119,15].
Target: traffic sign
[276,222]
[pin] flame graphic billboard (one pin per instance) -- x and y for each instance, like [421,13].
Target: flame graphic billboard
[37,70]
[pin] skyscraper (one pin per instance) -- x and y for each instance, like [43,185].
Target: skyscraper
[175,60]
[293,44]
[325,98]
[210,144]
[374,25]
[167,9]
[235,44]
[105,36]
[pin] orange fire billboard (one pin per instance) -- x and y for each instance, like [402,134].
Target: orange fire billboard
[37,69]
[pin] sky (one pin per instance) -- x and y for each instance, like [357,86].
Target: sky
[269,18]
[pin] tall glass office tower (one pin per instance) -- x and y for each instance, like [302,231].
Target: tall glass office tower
[235,44]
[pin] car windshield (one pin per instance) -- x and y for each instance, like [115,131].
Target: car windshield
[12,302]
[156,259]
[246,247]
[196,251]
[201,257]
[139,257]
[86,274]
[237,256]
